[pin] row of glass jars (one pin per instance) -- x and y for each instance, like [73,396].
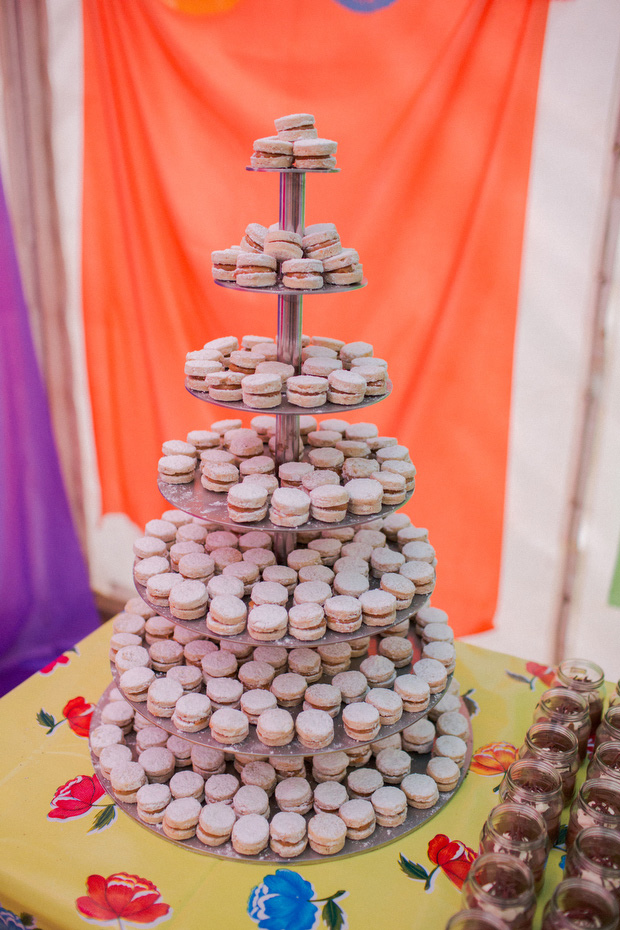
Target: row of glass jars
[500,891]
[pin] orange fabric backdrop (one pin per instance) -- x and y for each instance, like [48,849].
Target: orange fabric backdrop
[432,104]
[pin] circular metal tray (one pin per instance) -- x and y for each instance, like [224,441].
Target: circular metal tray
[286,408]
[288,641]
[382,835]
[293,170]
[294,291]
[251,745]
[211,505]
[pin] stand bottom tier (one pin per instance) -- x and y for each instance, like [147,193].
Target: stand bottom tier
[381,836]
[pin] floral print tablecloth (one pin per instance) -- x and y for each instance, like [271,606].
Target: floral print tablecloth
[69,858]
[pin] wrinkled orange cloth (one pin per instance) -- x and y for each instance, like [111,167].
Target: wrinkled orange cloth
[432,105]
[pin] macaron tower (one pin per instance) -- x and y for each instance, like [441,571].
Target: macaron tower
[269,667]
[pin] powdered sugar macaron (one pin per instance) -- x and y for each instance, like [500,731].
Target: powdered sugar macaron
[315,729]
[306,622]
[227,615]
[229,726]
[181,818]
[433,672]
[262,390]
[421,791]
[326,834]
[126,779]
[321,240]
[329,795]
[365,496]
[302,274]
[342,269]
[343,613]
[289,507]
[345,387]
[295,126]
[444,771]
[267,622]
[246,503]
[359,818]
[329,503]
[361,721]
[215,824]
[255,269]
[152,801]
[192,712]
[306,391]
[388,703]
[390,804]
[283,244]
[275,727]
[288,834]
[272,152]
[223,263]
[315,153]
[250,834]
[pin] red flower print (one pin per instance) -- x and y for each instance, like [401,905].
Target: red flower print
[49,668]
[493,758]
[452,856]
[545,673]
[78,713]
[75,798]
[123,897]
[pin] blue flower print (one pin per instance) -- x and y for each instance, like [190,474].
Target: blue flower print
[282,902]
[285,901]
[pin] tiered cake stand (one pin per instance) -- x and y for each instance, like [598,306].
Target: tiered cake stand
[195,499]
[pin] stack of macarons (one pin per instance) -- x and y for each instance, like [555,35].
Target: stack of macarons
[190,790]
[303,260]
[295,145]
[231,370]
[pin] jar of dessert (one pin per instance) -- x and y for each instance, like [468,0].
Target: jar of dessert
[535,783]
[614,698]
[503,886]
[588,678]
[568,708]
[605,762]
[595,856]
[474,919]
[576,904]
[518,831]
[596,805]
[558,746]
[609,727]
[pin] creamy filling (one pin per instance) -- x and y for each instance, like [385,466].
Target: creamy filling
[253,269]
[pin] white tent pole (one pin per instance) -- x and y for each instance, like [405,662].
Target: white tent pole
[586,434]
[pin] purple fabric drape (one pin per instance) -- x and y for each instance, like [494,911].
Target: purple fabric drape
[45,600]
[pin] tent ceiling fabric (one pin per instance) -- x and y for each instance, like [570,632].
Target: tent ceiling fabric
[433,107]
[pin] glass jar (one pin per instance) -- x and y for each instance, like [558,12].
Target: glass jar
[589,679]
[518,831]
[558,746]
[576,904]
[502,886]
[536,784]
[615,697]
[595,856]
[596,805]
[610,726]
[568,708]
[606,761]
[474,919]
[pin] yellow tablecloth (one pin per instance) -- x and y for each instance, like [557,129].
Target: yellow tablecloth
[48,852]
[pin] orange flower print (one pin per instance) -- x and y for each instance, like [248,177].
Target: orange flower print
[493,758]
